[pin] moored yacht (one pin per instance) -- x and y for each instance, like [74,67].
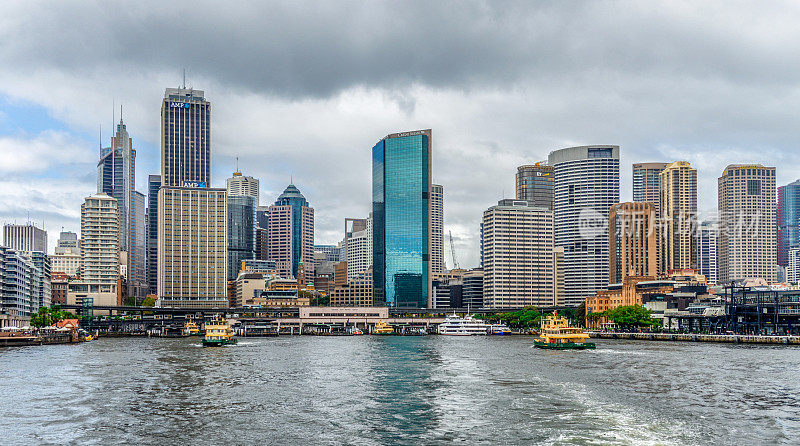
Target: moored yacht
[455,325]
[499,330]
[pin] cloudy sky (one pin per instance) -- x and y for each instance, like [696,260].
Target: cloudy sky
[305,89]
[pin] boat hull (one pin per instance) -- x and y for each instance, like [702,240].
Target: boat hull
[218,342]
[565,345]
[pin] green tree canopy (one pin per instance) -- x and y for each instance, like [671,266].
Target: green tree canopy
[630,316]
[49,316]
[149,302]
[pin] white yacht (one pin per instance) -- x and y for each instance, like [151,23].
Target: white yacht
[454,325]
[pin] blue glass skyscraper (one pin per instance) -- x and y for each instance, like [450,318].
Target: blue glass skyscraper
[401,185]
[788,220]
[241,232]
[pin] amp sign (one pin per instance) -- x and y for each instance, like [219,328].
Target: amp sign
[179,104]
[194,184]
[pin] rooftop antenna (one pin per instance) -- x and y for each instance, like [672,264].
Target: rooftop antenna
[120,113]
[113,115]
[237,164]
[101,139]
[184,78]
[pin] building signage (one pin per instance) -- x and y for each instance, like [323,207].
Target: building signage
[179,104]
[194,184]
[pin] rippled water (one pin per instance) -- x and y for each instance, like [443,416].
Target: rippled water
[398,390]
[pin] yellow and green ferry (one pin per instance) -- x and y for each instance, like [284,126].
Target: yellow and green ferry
[557,334]
[218,333]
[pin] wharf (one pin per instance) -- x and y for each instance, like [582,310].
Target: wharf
[24,340]
[688,337]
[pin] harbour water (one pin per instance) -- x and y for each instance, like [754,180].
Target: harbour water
[398,390]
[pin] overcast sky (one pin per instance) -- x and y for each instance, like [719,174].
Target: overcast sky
[305,89]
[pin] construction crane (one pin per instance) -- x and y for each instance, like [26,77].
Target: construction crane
[453,252]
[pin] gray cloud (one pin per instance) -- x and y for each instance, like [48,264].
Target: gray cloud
[307,88]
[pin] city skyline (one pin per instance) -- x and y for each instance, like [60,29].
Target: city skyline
[480,117]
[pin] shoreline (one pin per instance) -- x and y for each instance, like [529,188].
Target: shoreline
[688,337]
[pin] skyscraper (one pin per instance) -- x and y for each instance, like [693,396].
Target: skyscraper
[67,256]
[185,138]
[241,232]
[746,245]
[239,185]
[358,248]
[153,186]
[519,258]
[100,248]
[192,247]
[137,250]
[535,184]
[678,201]
[632,241]
[646,187]
[437,229]
[116,177]
[291,232]
[788,220]
[707,251]
[586,186]
[401,213]
[25,237]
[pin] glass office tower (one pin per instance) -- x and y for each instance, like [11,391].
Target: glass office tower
[401,185]
[241,232]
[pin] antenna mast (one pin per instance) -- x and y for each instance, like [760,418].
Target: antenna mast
[453,252]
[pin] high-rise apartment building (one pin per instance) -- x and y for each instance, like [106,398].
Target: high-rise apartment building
[185,138]
[437,229]
[632,248]
[358,250]
[535,184]
[291,232]
[21,286]
[519,258]
[678,205]
[707,251]
[646,188]
[100,251]
[25,237]
[241,185]
[192,247]
[241,232]
[746,246]
[586,186]
[153,186]
[788,217]
[401,215]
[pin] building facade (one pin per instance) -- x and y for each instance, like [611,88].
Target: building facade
[793,266]
[354,293]
[678,201]
[100,249]
[241,185]
[788,217]
[192,247]
[18,300]
[291,232]
[333,253]
[401,213]
[153,186]
[25,237]
[646,184]
[632,247]
[535,184]
[185,138]
[519,258]
[241,232]
[747,207]
[586,186]
[358,252]
[67,256]
[437,229]
[707,251]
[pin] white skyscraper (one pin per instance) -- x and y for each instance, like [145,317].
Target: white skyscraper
[25,237]
[239,184]
[586,186]
[437,229]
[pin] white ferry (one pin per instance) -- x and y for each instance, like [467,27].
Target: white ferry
[454,325]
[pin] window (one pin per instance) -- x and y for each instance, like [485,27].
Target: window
[753,187]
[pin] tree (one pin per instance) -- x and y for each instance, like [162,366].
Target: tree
[149,302]
[49,316]
[630,316]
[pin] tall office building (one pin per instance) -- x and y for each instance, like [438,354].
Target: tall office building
[358,250]
[137,250]
[707,251]
[519,258]
[401,215]
[100,248]
[262,234]
[67,243]
[241,185]
[67,256]
[535,184]
[25,237]
[646,187]
[291,232]
[586,186]
[788,217]
[632,248]
[678,201]
[746,245]
[153,186]
[333,253]
[437,229]
[241,232]
[192,247]
[185,138]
